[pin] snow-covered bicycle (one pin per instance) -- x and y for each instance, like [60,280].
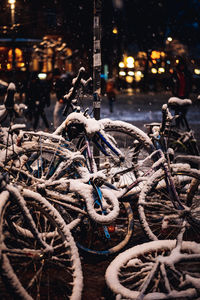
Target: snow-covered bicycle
[181,139]
[38,255]
[166,269]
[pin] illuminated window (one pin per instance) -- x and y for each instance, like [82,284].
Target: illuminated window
[18,57]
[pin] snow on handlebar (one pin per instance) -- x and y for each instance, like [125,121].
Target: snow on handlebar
[76,82]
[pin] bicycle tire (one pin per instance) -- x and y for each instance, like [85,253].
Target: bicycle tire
[91,234]
[91,237]
[41,161]
[131,269]
[99,218]
[175,140]
[157,215]
[46,162]
[26,276]
[56,193]
[134,145]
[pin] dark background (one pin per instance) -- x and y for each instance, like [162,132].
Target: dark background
[141,24]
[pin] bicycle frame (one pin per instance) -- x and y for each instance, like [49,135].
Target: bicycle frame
[160,159]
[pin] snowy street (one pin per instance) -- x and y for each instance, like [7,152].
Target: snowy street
[139,109]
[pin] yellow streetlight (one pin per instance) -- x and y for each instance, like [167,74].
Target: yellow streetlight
[12,7]
[11,1]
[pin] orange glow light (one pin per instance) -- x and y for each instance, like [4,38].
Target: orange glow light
[155,54]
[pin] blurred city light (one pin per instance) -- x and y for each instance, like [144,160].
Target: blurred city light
[130,62]
[155,54]
[169,39]
[129,79]
[121,64]
[138,76]
[131,73]
[115,31]
[12,3]
[12,6]
[42,76]
[122,73]
[154,70]
[197,71]
[161,70]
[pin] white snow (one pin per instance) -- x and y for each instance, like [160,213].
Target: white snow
[179,102]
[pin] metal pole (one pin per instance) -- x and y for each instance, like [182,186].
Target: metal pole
[12,7]
[97,59]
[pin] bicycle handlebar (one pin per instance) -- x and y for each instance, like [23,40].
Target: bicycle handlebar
[9,98]
[164,117]
[72,93]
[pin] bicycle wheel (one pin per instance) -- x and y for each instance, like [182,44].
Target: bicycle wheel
[159,217]
[27,271]
[100,230]
[40,165]
[182,142]
[45,161]
[141,272]
[134,145]
[105,240]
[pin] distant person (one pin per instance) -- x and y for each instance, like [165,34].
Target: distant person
[181,85]
[37,98]
[181,80]
[111,92]
[61,86]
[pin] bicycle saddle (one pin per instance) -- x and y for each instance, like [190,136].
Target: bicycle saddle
[175,102]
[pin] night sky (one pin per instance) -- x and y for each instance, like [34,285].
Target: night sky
[150,22]
[145,23]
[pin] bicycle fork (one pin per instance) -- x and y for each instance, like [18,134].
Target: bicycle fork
[174,197]
[98,201]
